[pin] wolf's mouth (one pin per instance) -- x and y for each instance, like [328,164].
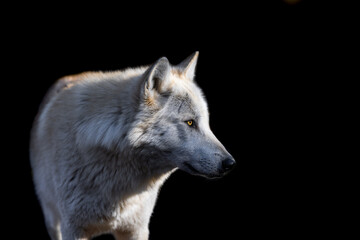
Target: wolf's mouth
[194,171]
[191,168]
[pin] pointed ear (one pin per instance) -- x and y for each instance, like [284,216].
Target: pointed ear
[187,67]
[157,77]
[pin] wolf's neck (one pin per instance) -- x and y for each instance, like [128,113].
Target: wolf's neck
[144,173]
[126,174]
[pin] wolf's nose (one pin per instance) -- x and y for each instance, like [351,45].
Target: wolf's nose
[228,164]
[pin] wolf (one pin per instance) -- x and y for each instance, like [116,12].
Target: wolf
[103,143]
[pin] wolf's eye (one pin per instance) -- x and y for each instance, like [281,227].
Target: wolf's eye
[190,122]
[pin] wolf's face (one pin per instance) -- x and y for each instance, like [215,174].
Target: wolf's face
[176,121]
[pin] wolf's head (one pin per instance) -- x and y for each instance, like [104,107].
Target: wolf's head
[173,121]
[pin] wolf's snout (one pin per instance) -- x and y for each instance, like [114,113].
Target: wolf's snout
[228,164]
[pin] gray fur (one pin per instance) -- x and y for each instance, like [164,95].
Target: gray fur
[103,144]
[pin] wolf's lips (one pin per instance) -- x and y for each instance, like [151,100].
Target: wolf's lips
[194,171]
[191,168]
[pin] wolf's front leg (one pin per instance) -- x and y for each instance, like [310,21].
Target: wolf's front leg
[141,234]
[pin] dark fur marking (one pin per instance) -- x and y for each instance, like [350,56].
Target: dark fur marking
[123,135]
[181,131]
[180,106]
[119,111]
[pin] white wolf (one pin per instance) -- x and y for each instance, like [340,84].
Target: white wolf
[103,143]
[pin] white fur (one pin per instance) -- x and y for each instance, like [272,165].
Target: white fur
[104,143]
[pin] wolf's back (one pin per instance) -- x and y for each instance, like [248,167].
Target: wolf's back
[43,115]
[44,137]
[82,104]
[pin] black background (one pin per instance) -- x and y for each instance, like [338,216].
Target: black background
[259,67]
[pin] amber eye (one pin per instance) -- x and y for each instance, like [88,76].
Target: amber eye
[190,122]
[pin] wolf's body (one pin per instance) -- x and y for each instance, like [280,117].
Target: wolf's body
[103,144]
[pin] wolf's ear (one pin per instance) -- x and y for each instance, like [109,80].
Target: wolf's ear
[157,77]
[187,67]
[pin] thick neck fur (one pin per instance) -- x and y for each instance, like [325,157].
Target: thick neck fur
[140,171]
[112,165]
[115,177]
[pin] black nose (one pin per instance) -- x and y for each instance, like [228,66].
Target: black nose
[228,164]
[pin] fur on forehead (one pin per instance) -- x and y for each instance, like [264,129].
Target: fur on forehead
[181,86]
